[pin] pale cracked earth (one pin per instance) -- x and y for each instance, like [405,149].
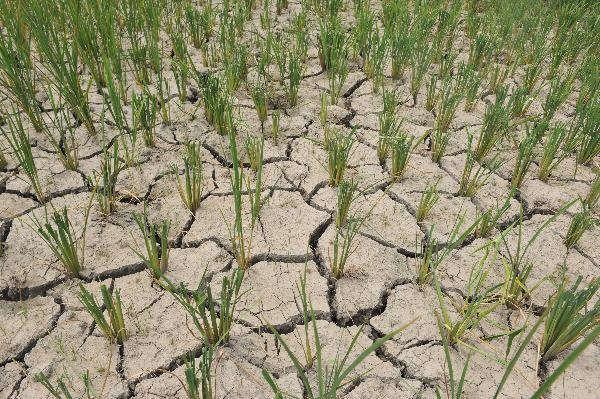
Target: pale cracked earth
[43,326]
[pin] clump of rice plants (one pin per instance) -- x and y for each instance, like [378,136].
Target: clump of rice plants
[401,148]
[495,125]
[389,124]
[144,109]
[259,97]
[331,374]
[346,194]
[59,235]
[61,391]
[192,185]
[199,381]
[275,118]
[550,158]
[105,186]
[580,223]
[254,149]
[114,328]
[156,244]
[525,154]
[212,320]
[569,317]
[342,245]
[19,142]
[593,197]
[339,149]
[470,183]
[588,126]
[333,54]
[429,198]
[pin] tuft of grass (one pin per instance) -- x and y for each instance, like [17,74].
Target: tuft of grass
[20,144]
[525,154]
[401,146]
[339,149]
[114,328]
[550,158]
[565,323]
[144,110]
[333,54]
[275,118]
[191,187]
[254,149]
[203,386]
[471,183]
[420,60]
[259,97]
[593,197]
[428,200]
[110,167]
[388,124]
[495,124]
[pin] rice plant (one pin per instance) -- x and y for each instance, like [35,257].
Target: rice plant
[580,223]
[61,391]
[346,194]
[65,145]
[192,185]
[106,184]
[420,61]
[199,381]
[525,154]
[557,95]
[156,244]
[254,149]
[470,183]
[144,114]
[488,219]
[495,125]
[479,303]
[212,320]
[332,375]
[114,328]
[259,97]
[520,101]
[339,149]
[469,83]
[593,197]
[275,118]
[439,140]
[19,142]
[429,198]
[342,245]
[589,122]
[569,317]
[432,94]
[333,54]
[401,148]
[59,235]
[389,124]
[455,388]
[550,158]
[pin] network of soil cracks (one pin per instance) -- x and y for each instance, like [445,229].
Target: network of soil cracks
[43,326]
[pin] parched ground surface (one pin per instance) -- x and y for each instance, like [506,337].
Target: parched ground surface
[43,326]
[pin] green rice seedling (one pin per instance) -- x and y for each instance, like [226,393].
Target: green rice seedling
[470,183]
[389,125]
[295,77]
[212,320]
[110,167]
[180,64]
[593,197]
[59,235]
[565,323]
[342,245]
[363,29]
[401,148]
[550,158]
[18,139]
[472,311]
[480,50]
[497,76]
[346,194]
[203,386]
[525,154]
[259,97]
[517,265]
[156,244]
[428,200]
[560,89]
[275,118]
[61,391]
[333,375]
[301,29]
[65,145]
[420,61]
[376,58]
[114,328]
[589,143]
[339,149]
[3,162]
[333,54]
[495,125]
[200,23]
[533,72]
[265,16]
[323,113]
[192,185]
[520,101]
[61,62]
[432,94]
[468,83]
[455,390]
[144,114]
[426,255]
[401,44]
[236,68]
[580,223]
[489,219]
[254,148]
[17,77]
[448,103]
[439,141]
[216,101]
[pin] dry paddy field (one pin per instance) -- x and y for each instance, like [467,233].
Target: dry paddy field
[304,198]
